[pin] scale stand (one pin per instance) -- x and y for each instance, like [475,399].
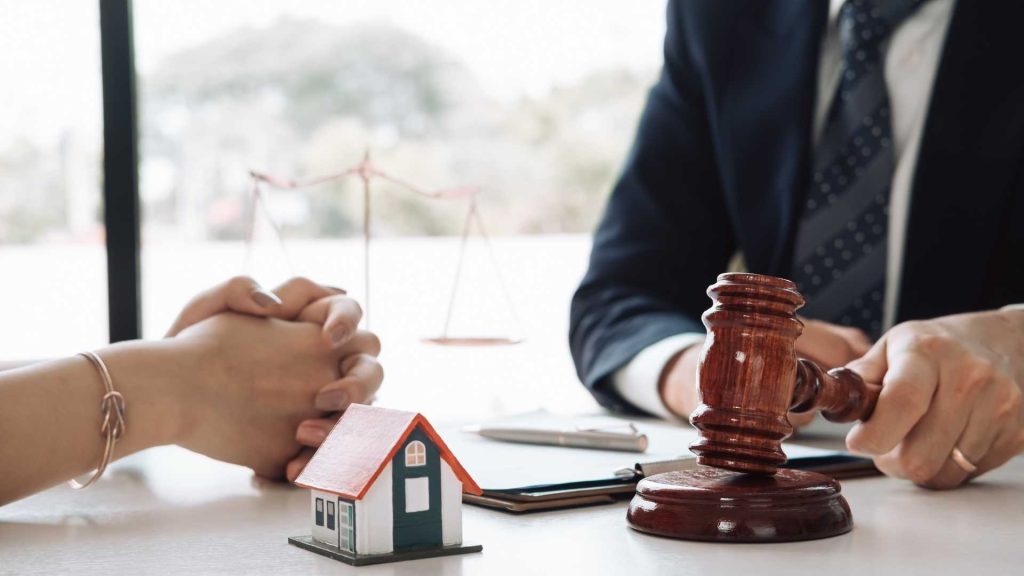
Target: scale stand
[473,215]
[366,171]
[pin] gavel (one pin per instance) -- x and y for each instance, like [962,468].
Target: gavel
[750,377]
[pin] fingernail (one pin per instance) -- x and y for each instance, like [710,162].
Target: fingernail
[311,435]
[340,333]
[336,289]
[264,298]
[331,400]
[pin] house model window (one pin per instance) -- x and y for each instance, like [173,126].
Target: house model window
[417,494]
[319,511]
[415,454]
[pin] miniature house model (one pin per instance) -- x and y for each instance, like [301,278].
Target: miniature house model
[384,487]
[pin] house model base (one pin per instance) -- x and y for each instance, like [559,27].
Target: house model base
[384,487]
[308,543]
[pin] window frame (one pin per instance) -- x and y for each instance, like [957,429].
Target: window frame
[121,203]
[415,454]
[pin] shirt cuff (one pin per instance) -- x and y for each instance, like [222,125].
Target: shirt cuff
[1013,307]
[637,381]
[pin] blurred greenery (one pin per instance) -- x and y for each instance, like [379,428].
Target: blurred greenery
[301,98]
[32,202]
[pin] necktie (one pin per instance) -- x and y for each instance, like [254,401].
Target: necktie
[840,251]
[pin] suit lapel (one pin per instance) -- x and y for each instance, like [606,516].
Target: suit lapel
[967,165]
[765,114]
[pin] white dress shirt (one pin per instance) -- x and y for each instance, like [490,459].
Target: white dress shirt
[911,61]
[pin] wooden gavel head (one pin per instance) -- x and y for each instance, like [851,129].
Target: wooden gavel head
[749,376]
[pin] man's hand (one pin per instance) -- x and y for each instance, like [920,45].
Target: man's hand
[827,344]
[951,382]
[831,345]
[678,383]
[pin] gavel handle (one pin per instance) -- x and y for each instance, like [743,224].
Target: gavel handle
[840,394]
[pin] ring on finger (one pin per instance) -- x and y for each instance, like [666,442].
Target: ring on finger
[962,461]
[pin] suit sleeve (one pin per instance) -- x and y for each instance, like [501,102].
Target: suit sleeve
[665,233]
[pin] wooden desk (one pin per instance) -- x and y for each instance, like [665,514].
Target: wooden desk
[168,511]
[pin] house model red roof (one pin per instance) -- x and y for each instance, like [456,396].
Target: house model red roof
[361,444]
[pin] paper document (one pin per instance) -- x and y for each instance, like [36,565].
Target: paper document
[510,467]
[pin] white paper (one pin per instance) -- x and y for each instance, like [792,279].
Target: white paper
[505,466]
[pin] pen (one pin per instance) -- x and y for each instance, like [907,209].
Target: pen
[575,438]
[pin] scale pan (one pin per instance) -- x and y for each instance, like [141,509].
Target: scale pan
[472,341]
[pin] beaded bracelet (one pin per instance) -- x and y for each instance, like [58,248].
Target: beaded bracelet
[112,407]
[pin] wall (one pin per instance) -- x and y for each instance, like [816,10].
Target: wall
[321,533]
[374,519]
[451,506]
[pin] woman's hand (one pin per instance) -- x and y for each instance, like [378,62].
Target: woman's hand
[244,295]
[361,377]
[234,387]
[254,381]
[302,300]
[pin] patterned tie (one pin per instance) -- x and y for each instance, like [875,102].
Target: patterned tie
[840,258]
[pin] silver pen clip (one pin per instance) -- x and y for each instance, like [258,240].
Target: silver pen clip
[629,427]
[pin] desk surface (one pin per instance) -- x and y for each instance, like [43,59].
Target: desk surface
[168,511]
[171,511]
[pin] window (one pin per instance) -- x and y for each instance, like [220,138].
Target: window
[417,494]
[541,126]
[415,454]
[346,526]
[319,511]
[51,142]
[330,515]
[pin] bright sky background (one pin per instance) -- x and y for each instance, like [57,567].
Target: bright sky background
[49,49]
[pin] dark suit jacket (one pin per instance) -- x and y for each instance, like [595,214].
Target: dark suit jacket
[721,162]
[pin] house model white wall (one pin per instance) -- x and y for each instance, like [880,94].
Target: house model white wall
[384,482]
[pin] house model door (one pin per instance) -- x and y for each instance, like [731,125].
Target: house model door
[346,526]
[417,493]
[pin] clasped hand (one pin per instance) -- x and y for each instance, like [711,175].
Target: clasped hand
[273,371]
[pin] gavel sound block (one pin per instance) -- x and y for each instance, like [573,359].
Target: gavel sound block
[749,378]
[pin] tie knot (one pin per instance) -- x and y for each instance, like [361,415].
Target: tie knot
[864,24]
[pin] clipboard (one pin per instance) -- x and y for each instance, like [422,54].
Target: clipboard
[522,478]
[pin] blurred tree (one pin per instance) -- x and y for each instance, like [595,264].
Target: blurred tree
[301,98]
[375,72]
[32,204]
